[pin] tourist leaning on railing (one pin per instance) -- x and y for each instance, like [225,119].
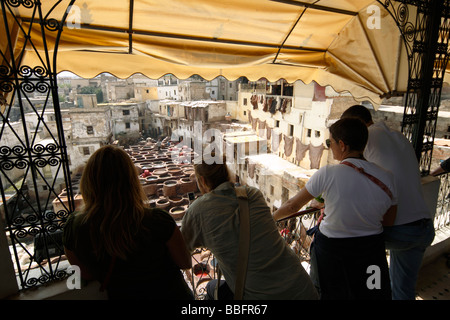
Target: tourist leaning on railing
[348,245]
[213,221]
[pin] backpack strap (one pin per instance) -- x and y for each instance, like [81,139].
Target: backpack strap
[244,242]
[244,246]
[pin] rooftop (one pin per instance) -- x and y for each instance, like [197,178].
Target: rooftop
[273,164]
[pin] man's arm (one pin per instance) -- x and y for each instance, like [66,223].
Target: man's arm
[443,167]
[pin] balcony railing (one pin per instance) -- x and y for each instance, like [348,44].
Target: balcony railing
[442,216]
[204,269]
[292,229]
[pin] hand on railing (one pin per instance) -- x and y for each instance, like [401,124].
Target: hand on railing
[299,213]
[294,230]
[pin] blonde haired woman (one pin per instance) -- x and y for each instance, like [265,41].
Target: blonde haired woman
[135,252]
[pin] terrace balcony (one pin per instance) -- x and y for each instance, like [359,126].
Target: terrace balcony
[334,55]
[432,284]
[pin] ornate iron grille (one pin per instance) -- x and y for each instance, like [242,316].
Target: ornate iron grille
[425,33]
[33,158]
[442,217]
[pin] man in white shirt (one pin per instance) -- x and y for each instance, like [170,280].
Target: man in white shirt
[413,230]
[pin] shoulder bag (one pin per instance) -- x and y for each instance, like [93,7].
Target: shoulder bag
[372,178]
[244,246]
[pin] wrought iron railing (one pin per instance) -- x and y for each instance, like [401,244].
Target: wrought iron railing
[32,171]
[204,269]
[442,216]
[294,229]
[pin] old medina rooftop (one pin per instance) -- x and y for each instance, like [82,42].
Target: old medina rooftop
[329,42]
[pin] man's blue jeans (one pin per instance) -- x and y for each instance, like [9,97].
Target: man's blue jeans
[406,245]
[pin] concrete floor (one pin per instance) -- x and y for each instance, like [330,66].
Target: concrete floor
[434,280]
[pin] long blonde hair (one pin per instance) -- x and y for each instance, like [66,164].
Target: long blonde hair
[114,201]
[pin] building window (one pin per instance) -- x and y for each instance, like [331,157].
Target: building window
[291,130]
[317,134]
[245,113]
[277,123]
[284,194]
[308,133]
[86,151]
[126,112]
[245,101]
[90,130]
[127,125]
[272,190]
